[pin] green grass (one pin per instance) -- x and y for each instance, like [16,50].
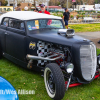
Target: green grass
[85,27]
[98,51]
[22,78]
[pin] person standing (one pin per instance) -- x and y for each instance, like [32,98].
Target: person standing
[36,10]
[66,16]
[18,7]
[42,6]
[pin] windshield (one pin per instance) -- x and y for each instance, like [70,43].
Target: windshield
[44,23]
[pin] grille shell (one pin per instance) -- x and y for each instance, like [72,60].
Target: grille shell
[88,61]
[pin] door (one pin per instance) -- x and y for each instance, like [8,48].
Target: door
[3,27]
[16,39]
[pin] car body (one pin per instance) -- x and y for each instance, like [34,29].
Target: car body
[7,91]
[40,42]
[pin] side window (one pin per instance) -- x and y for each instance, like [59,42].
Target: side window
[31,25]
[5,21]
[18,24]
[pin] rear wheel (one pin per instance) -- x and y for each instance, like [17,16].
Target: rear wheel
[54,81]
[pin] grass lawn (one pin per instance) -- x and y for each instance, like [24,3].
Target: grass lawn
[85,27]
[21,78]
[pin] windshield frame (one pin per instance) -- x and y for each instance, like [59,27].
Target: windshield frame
[45,28]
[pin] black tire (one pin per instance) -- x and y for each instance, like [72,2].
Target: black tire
[56,87]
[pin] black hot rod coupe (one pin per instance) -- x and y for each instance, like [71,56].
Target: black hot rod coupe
[40,42]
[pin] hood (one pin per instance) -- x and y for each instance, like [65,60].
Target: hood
[51,35]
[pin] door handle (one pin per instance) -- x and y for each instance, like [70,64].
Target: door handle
[6,33]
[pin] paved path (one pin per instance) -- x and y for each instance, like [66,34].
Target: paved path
[93,36]
[89,35]
[85,23]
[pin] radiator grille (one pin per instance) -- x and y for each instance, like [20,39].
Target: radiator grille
[88,61]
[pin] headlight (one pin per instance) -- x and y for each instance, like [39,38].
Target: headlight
[69,67]
[98,60]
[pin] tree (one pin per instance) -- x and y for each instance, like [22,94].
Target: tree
[40,1]
[4,2]
[97,1]
[54,3]
[63,3]
[51,2]
[89,2]
[34,3]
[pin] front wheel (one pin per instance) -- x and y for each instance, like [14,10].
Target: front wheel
[54,81]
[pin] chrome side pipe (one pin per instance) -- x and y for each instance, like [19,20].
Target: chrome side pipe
[31,57]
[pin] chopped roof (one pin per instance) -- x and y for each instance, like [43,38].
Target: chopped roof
[27,15]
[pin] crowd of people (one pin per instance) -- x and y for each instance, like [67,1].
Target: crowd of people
[66,14]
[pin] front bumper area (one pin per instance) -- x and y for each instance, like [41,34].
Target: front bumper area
[77,84]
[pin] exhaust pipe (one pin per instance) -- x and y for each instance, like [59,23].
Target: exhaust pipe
[31,57]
